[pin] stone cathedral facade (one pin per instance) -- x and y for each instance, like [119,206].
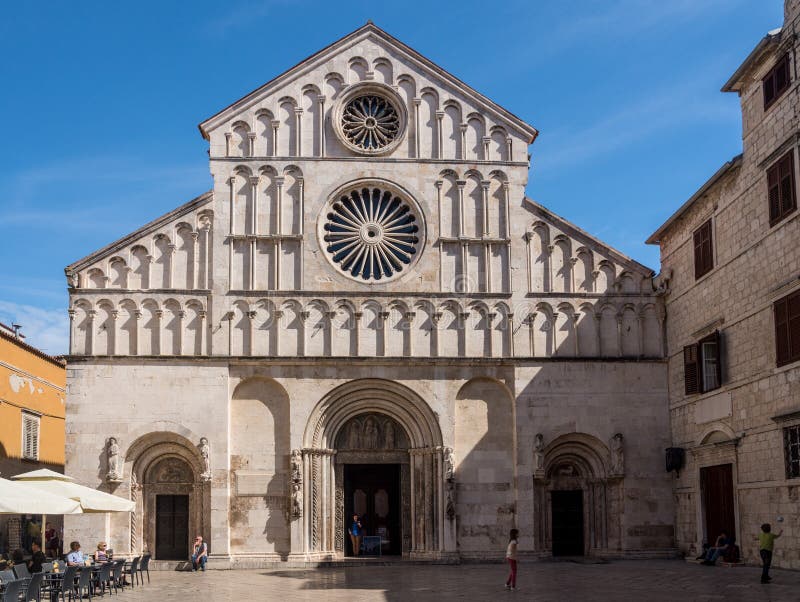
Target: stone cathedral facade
[366,315]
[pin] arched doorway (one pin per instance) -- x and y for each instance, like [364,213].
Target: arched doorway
[380,441]
[577,500]
[372,463]
[172,498]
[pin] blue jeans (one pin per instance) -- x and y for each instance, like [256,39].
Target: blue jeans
[201,562]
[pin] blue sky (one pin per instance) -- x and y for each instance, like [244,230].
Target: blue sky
[102,100]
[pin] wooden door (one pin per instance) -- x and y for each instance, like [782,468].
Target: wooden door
[373,492]
[172,527]
[716,484]
[567,513]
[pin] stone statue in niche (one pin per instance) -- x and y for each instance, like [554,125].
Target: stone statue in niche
[449,464]
[617,455]
[388,435]
[297,500]
[112,456]
[297,466]
[538,453]
[370,433]
[205,454]
[450,505]
[353,436]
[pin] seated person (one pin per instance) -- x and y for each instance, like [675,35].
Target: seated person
[719,548]
[35,563]
[100,554]
[75,556]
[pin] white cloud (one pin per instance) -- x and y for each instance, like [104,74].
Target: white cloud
[45,329]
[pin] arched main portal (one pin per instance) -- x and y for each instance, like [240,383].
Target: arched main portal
[372,427]
[172,499]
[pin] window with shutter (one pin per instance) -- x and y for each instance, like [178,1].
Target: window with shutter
[710,364]
[791,450]
[30,436]
[787,329]
[781,188]
[691,370]
[776,82]
[703,250]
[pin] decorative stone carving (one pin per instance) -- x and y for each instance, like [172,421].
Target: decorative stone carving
[114,475]
[171,470]
[372,432]
[449,465]
[297,500]
[450,504]
[296,487]
[538,455]
[135,490]
[370,122]
[205,453]
[617,455]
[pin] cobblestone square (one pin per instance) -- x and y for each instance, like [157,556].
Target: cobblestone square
[645,580]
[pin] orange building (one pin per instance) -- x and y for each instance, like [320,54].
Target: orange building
[32,396]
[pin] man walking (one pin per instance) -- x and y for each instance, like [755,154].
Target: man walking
[766,543]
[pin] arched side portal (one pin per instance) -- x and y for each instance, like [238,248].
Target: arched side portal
[577,499]
[172,499]
[348,427]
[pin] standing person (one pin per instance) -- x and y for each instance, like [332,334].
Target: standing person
[35,563]
[355,535]
[766,543]
[511,557]
[199,554]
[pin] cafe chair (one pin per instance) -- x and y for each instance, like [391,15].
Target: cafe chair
[104,578]
[12,590]
[144,567]
[84,583]
[34,591]
[132,570]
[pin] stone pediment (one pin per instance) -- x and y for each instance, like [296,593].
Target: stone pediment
[142,258]
[311,88]
[551,230]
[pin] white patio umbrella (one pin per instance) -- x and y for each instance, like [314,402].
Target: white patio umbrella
[19,498]
[90,500]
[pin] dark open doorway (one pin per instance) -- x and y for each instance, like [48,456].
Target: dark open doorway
[716,484]
[567,523]
[373,492]
[172,527]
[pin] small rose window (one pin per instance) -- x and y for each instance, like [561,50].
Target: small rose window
[370,122]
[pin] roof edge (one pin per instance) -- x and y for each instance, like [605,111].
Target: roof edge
[35,351]
[150,226]
[655,237]
[614,253]
[370,27]
[772,38]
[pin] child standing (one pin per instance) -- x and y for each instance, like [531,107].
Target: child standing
[511,557]
[766,543]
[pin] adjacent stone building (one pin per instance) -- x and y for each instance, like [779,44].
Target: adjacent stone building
[730,261]
[367,315]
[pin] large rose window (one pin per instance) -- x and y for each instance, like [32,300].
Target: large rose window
[371,233]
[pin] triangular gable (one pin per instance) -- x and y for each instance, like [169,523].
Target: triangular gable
[149,228]
[368,31]
[596,245]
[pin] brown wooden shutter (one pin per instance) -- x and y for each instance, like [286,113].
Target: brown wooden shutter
[786,166]
[774,187]
[703,250]
[768,84]
[691,369]
[718,343]
[793,326]
[781,331]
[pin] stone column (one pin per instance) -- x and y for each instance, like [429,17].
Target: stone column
[275,125]
[463,128]
[90,331]
[228,136]
[159,314]
[202,333]
[357,325]
[409,318]
[416,102]
[194,263]
[279,181]
[439,135]
[509,148]
[171,267]
[112,343]
[251,148]
[298,138]
[71,347]
[438,184]
[487,140]
[321,125]
[531,319]
[137,335]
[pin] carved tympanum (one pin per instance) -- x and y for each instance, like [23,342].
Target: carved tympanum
[371,431]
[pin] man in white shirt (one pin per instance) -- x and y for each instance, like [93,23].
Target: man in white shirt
[75,556]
